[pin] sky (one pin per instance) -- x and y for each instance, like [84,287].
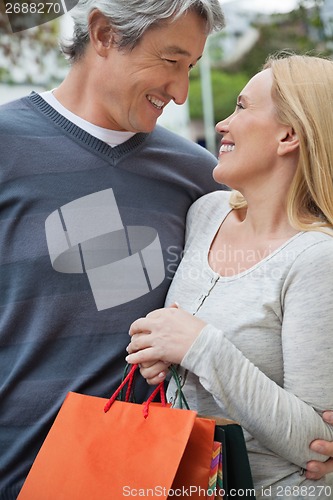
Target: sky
[265,6]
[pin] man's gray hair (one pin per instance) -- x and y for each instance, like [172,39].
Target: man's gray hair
[132,18]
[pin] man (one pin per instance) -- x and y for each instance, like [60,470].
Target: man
[93,203]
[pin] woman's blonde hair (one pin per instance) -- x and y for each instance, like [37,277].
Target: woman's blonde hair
[302,92]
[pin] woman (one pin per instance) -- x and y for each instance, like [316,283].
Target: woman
[253,336]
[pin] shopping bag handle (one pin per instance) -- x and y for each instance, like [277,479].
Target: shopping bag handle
[129,380]
[180,395]
[174,373]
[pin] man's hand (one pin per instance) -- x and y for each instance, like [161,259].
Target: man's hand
[314,469]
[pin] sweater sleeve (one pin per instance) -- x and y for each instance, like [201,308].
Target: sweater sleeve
[284,419]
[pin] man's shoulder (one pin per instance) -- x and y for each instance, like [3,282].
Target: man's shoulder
[10,112]
[15,104]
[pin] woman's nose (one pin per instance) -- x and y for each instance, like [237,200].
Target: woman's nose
[223,126]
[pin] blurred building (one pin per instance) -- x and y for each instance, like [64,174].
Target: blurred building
[327,17]
[239,34]
[32,60]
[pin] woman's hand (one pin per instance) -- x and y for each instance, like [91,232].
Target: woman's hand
[163,335]
[154,373]
[314,469]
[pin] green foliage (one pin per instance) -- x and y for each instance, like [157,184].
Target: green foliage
[31,56]
[300,31]
[215,45]
[225,88]
[273,39]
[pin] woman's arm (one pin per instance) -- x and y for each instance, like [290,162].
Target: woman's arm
[284,419]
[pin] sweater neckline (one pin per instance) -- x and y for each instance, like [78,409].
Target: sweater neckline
[80,135]
[219,277]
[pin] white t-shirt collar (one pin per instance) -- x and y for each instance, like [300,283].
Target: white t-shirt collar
[111,137]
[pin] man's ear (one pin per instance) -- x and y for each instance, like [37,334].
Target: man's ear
[100,31]
[288,142]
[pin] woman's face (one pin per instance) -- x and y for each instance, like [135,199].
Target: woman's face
[251,136]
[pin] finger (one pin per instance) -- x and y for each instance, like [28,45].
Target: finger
[322,447]
[164,365]
[328,417]
[154,314]
[155,370]
[138,342]
[155,380]
[146,365]
[140,325]
[147,355]
[315,470]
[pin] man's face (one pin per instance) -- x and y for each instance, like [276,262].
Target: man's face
[136,85]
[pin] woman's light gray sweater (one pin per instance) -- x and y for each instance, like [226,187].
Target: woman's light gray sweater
[265,358]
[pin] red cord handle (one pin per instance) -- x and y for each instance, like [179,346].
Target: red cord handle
[129,379]
[158,389]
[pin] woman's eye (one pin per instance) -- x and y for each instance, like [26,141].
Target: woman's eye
[171,61]
[239,105]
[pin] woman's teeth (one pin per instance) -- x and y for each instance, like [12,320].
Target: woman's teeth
[226,148]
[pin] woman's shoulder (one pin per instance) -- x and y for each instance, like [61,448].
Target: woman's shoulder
[314,250]
[314,241]
[203,206]
[206,212]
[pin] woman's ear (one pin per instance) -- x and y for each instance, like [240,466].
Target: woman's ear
[288,142]
[100,31]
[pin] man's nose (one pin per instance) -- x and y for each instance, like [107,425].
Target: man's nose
[178,89]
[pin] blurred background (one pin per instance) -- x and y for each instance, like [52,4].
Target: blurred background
[31,59]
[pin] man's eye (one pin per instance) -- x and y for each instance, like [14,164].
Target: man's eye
[171,61]
[239,105]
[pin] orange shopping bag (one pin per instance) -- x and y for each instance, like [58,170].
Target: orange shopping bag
[126,450]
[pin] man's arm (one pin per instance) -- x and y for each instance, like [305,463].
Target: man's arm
[316,470]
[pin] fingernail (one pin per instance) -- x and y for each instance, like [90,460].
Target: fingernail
[161,375]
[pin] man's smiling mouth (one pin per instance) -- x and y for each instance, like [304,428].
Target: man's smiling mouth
[156,102]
